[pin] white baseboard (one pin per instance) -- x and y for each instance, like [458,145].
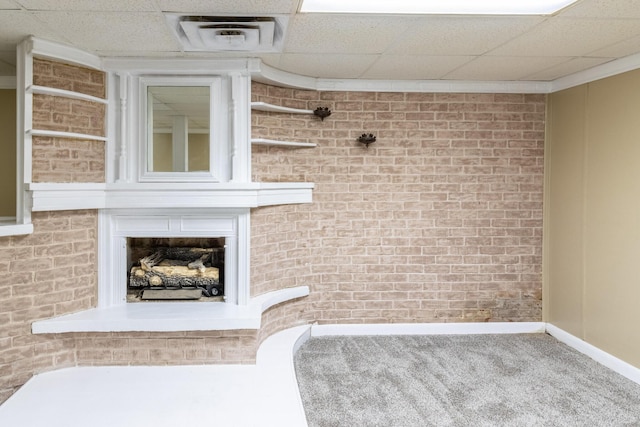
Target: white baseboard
[428,328]
[600,356]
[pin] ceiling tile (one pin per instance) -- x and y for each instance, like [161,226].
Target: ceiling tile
[9,5]
[137,31]
[604,9]
[7,63]
[90,5]
[460,35]
[17,25]
[564,69]
[414,67]
[9,57]
[229,7]
[342,34]
[569,37]
[619,50]
[325,66]
[490,68]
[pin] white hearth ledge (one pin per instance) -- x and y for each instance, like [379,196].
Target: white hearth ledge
[170,316]
[69,196]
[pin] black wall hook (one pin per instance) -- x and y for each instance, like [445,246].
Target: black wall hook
[367,139]
[322,112]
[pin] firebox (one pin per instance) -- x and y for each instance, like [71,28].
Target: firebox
[175,269]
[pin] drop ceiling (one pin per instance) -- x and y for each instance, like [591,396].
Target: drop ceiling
[391,47]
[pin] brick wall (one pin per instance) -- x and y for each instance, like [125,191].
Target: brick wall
[440,220]
[47,273]
[166,348]
[61,159]
[59,75]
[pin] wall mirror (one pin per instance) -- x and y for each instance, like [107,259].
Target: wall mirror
[184,130]
[180,120]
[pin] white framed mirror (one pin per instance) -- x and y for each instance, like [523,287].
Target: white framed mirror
[184,132]
[180,119]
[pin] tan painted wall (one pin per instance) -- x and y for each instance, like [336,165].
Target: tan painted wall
[8,157]
[565,202]
[593,227]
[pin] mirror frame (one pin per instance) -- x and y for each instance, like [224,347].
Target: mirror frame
[218,131]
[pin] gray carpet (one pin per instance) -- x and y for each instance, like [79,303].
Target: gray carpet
[459,380]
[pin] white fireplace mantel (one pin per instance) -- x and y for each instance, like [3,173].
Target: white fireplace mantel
[65,196]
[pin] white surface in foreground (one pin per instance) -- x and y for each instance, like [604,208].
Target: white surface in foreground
[264,394]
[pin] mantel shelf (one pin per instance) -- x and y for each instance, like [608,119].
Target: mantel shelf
[273,142]
[263,106]
[65,196]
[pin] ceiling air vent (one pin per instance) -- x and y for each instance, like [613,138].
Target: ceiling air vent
[225,33]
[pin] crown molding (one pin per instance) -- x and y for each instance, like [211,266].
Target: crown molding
[263,73]
[618,66]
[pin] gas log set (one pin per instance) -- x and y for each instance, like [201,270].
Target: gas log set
[179,273]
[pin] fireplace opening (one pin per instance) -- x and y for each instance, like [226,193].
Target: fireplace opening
[175,269]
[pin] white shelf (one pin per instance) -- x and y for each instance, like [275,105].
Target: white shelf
[263,106]
[62,134]
[273,142]
[44,90]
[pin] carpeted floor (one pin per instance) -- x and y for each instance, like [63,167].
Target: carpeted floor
[459,380]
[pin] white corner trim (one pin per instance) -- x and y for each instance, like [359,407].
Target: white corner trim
[428,328]
[617,365]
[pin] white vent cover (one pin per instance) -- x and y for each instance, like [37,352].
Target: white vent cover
[222,33]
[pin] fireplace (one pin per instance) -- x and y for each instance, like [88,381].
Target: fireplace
[179,227]
[175,269]
[174,255]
